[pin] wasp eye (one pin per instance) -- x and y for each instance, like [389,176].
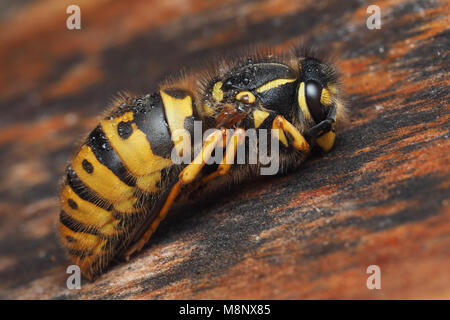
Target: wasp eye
[313,92]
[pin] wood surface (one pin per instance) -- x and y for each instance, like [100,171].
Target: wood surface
[381,197]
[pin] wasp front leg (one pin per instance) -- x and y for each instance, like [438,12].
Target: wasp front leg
[186,176]
[236,140]
[282,126]
[323,133]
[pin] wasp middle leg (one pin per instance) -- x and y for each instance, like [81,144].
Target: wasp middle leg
[298,141]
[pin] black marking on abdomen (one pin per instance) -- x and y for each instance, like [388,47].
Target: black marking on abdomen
[124,129]
[106,155]
[72,204]
[70,239]
[75,225]
[80,253]
[87,166]
[84,192]
[151,120]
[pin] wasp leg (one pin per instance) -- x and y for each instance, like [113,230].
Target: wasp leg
[298,141]
[323,134]
[236,139]
[187,175]
[323,126]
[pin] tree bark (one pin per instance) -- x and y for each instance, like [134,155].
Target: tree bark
[380,197]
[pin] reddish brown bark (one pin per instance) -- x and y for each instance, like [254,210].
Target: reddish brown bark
[380,197]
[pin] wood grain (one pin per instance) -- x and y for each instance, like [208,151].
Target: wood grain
[380,197]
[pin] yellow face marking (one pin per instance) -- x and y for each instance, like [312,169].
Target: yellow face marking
[259,117]
[325,97]
[217,92]
[101,179]
[326,141]
[87,213]
[302,101]
[246,97]
[135,151]
[148,183]
[84,241]
[274,84]
[177,110]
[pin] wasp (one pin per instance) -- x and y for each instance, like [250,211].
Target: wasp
[123,180]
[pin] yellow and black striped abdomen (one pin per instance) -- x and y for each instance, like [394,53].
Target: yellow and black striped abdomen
[119,175]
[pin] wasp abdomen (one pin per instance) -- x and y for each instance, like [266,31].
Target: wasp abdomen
[115,177]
